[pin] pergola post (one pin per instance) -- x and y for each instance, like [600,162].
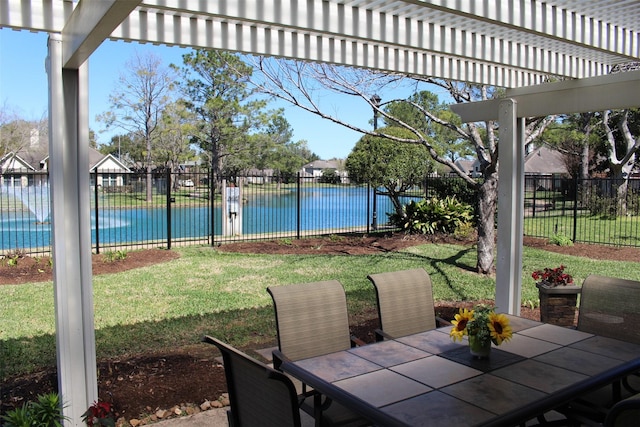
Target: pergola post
[71,233]
[510,208]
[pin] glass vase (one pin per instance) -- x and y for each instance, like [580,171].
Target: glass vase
[478,348]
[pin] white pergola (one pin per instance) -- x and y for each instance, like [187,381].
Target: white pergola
[514,44]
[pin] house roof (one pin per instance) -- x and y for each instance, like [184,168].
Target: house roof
[544,160]
[322,164]
[108,159]
[466,164]
[35,157]
[9,160]
[259,172]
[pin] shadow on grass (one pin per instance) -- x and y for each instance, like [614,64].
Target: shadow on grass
[245,328]
[252,327]
[441,276]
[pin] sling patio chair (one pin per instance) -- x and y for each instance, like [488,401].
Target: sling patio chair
[625,413]
[405,303]
[609,307]
[258,395]
[311,320]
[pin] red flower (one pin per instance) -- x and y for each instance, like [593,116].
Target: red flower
[99,414]
[553,276]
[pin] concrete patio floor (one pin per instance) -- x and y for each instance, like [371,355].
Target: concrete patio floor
[215,418]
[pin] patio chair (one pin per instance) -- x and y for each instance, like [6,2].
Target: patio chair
[625,413]
[610,307]
[259,395]
[405,303]
[311,320]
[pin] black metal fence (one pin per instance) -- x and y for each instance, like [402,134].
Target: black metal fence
[184,209]
[601,211]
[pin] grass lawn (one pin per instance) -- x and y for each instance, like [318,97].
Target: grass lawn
[224,294]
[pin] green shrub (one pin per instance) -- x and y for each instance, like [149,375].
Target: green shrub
[446,187]
[329,176]
[560,240]
[112,256]
[14,256]
[434,215]
[464,230]
[18,417]
[602,206]
[46,411]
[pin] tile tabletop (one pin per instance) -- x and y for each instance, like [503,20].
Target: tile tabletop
[414,377]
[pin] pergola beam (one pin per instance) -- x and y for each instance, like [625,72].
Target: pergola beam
[613,91]
[501,43]
[89,25]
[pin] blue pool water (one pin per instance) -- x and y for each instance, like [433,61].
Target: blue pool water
[320,208]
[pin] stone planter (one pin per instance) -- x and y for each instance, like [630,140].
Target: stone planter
[558,303]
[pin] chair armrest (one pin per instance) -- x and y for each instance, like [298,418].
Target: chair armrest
[382,335]
[628,386]
[356,342]
[442,322]
[278,359]
[626,410]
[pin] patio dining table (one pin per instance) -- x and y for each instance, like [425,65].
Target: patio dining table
[427,379]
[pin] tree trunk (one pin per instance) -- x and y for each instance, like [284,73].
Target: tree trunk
[149,184]
[584,176]
[149,173]
[621,184]
[395,200]
[487,196]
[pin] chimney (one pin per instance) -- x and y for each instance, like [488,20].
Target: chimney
[35,138]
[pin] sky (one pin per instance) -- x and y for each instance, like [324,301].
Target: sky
[23,88]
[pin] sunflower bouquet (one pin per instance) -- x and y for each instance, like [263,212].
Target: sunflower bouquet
[483,324]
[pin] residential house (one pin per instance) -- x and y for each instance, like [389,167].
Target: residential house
[546,165]
[29,166]
[316,168]
[542,161]
[259,176]
[470,167]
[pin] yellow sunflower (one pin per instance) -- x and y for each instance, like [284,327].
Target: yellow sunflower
[499,328]
[460,324]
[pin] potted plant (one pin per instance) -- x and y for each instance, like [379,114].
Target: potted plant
[558,296]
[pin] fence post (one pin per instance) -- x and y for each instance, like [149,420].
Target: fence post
[368,206]
[168,191]
[95,196]
[575,209]
[374,217]
[298,208]
[212,196]
[535,189]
